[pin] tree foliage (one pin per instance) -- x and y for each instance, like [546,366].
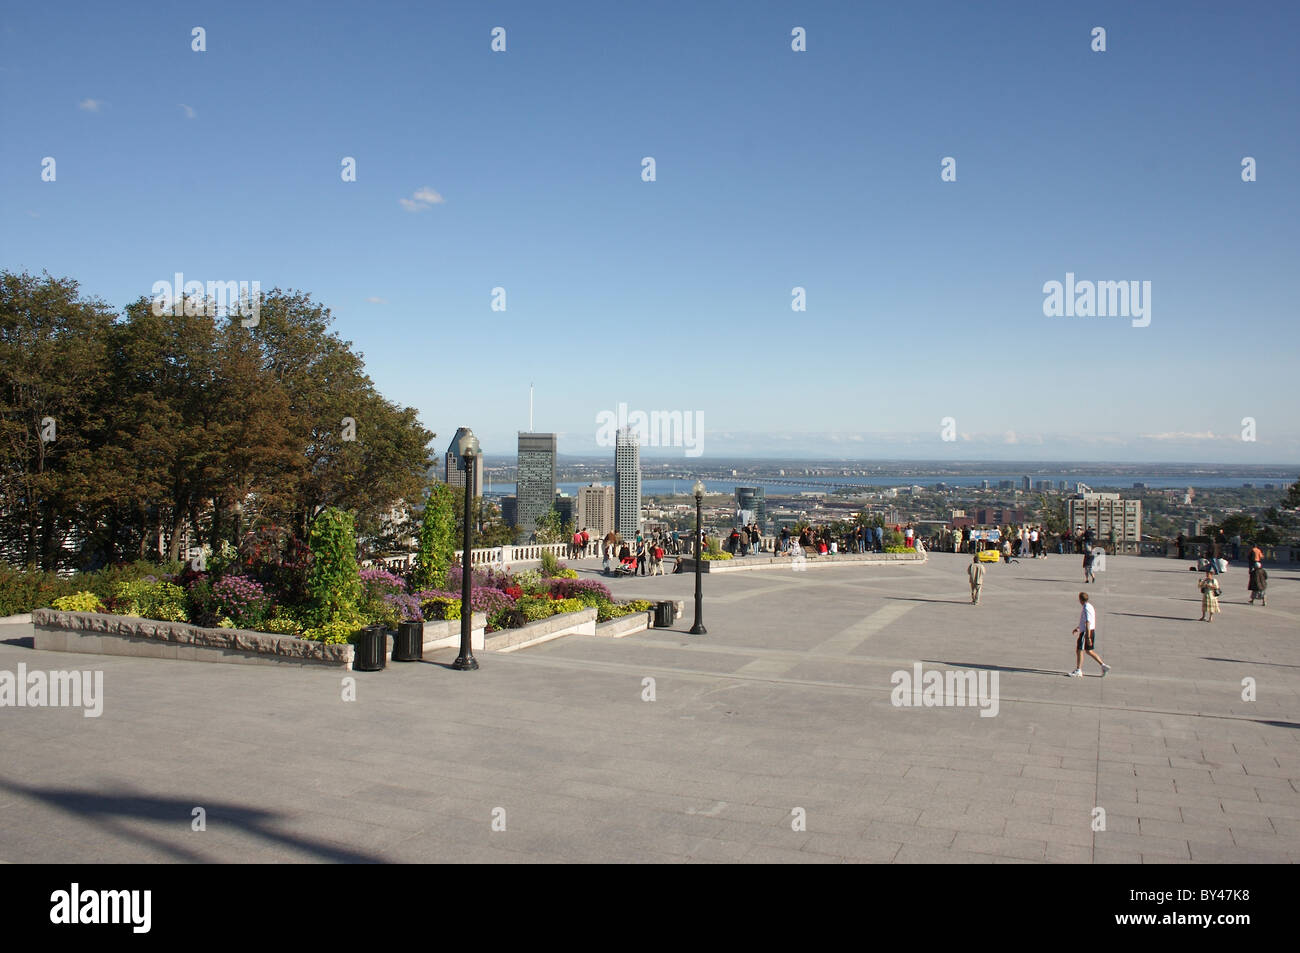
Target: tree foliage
[120,433]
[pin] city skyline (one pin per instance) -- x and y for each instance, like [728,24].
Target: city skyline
[814,176]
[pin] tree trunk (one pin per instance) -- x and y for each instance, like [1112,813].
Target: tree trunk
[178,527]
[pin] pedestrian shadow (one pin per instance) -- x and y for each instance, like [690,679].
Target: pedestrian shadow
[955,602]
[1242,661]
[1143,615]
[1276,724]
[111,809]
[995,668]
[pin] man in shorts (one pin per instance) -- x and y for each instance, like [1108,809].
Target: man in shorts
[1086,630]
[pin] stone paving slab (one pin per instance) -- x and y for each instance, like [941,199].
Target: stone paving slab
[771,739]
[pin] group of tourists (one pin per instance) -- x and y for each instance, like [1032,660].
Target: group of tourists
[642,557]
[1208,584]
[745,540]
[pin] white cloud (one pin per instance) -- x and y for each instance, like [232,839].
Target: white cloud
[423,198]
[90,105]
[189,110]
[1180,435]
[377,300]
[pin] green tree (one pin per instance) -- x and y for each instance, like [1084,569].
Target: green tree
[53,354]
[334,581]
[437,539]
[1292,499]
[550,528]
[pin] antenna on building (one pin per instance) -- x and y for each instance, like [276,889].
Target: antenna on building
[530,407]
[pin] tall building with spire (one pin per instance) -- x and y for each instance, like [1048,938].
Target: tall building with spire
[535,479]
[627,484]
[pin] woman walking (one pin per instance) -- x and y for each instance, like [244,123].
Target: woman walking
[1258,583]
[1209,587]
[1087,565]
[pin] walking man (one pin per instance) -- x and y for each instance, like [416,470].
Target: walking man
[1086,630]
[976,573]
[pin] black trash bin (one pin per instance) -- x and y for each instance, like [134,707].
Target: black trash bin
[368,655]
[408,644]
[665,614]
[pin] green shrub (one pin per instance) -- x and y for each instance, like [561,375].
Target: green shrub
[79,602]
[567,605]
[379,611]
[614,610]
[550,563]
[437,540]
[334,580]
[711,555]
[530,581]
[280,625]
[899,549]
[151,599]
[441,607]
[338,631]
[22,592]
[565,574]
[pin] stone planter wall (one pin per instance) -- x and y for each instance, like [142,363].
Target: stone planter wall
[95,633]
[582,622]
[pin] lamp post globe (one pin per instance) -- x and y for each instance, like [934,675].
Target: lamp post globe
[467,447]
[698,627]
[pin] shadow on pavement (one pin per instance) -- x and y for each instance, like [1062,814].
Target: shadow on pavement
[996,668]
[1244,661]
[26,642]
[955,602]
[110,809]
[1143,615]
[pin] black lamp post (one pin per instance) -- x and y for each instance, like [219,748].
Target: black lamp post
[698,628]
[467,447]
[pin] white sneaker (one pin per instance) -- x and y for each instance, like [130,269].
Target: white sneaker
[1077,673]
[1104,669]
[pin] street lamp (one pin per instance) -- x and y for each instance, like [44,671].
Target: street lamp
[698,628]
[467,448]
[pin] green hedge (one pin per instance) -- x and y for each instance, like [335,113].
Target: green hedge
[22,591]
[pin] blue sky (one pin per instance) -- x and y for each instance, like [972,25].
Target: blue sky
[775,169]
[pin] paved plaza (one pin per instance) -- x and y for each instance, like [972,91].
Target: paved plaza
[771,738]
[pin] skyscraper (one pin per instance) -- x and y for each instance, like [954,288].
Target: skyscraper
[452,472]
[1024,483]
[535,482]
[596,509]
[627,484]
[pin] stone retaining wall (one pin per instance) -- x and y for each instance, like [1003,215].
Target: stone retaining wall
[96,633]
[582,622]
[626,625]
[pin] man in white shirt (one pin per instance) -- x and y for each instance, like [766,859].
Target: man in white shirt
[1086,630]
